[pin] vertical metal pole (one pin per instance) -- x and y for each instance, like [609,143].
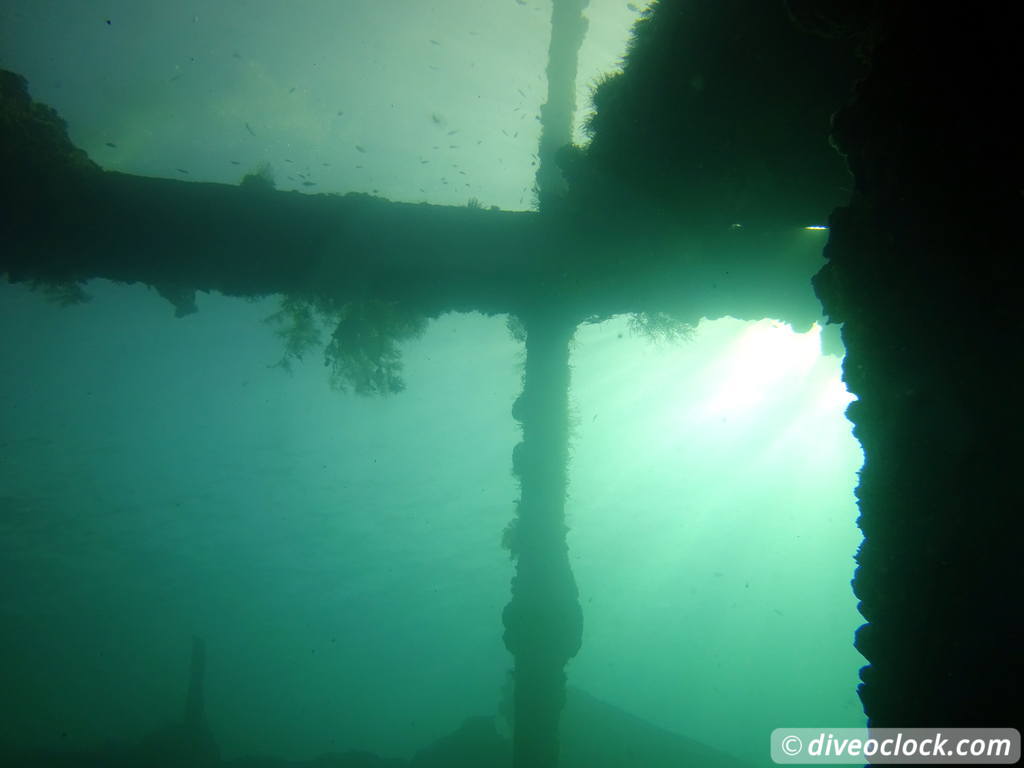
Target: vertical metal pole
[543,621]
[568,28]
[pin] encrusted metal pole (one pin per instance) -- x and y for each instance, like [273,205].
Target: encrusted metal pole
[194,742]
[543,621]
[568,28]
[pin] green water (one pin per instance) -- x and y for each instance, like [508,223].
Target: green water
[713,529]
[342,556]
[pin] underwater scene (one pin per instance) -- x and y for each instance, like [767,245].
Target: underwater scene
[250,526]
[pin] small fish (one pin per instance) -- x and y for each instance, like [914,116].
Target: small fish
[360,148]
[287,160]
[424,162]
[182,170]
[452,133]
[291,90]
[520,90]
[309,183]
[434,42]
[340,113]
[234,162]
[111,144]
[249,129]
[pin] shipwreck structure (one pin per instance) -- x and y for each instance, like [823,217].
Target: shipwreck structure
[700,185]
